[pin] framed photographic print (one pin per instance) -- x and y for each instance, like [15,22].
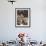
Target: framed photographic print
[22,17]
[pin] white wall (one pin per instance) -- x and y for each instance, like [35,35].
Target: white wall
[8,31]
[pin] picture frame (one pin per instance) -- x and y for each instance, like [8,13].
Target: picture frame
[22,17]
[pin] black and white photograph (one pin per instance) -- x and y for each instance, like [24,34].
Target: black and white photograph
[22,17]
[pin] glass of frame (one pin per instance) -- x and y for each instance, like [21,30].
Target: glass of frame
[22,17]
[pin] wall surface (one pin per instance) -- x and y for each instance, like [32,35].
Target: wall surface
[37,31]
